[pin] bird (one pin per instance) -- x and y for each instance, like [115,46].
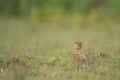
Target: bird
[78,56]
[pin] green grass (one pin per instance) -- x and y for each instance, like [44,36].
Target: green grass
[45,51]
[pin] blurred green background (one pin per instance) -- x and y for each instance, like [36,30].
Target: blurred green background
[57,11]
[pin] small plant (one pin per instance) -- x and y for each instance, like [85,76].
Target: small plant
[103,55]
[12,61]
[19,70]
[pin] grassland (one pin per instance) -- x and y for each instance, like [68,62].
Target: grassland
[45,51]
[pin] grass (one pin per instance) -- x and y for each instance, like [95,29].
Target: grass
[45,51]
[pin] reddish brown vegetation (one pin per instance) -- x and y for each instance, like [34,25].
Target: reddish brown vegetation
[13,60]
[103,55]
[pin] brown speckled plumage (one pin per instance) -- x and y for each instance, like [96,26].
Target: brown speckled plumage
[78,56]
